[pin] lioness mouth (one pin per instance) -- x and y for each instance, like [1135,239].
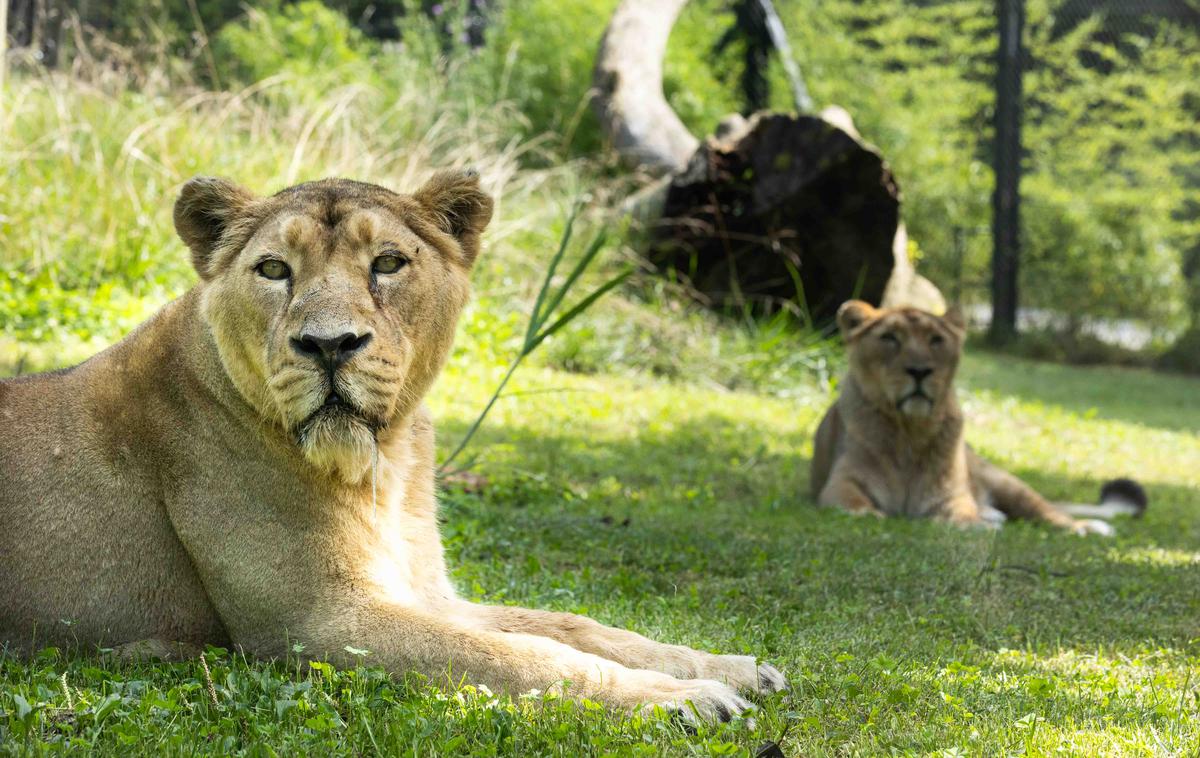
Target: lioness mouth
[335,401]
[339,436]
[917,394]
[339,409]
[335,405]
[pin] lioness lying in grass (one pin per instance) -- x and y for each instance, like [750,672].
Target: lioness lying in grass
[254,465]
[893,443]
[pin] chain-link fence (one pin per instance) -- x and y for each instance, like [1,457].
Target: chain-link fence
[1106,147]
[1108,234]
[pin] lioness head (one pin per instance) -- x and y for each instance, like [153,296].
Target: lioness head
[904,359]
[333,303]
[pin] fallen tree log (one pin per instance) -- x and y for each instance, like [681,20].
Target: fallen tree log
[775,212]
[789,212]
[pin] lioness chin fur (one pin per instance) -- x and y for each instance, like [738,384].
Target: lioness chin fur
[893,442]
[253,465]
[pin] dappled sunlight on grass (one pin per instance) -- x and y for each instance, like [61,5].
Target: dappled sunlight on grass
[1154,556]
[1078,423]
[683,510]
[1135,396]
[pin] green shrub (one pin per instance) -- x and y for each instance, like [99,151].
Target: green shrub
[38,309]
[303,39]
[91,164]
[540,54]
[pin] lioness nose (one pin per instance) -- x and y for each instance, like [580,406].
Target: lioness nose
[330,352]
[918,372]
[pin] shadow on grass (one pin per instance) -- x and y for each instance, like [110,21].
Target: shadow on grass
[686,529]
[707,461]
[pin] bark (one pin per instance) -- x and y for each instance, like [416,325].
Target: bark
[627,79]
[1184,353]
[3,43]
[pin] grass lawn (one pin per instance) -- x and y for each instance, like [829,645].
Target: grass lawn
[681,511]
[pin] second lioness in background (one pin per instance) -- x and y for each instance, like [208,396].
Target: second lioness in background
[893,442]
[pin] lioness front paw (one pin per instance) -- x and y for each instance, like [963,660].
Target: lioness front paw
[1084,527]
[744,673]
[704,700]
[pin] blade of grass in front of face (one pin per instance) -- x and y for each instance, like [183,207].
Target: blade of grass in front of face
[582,306]
[534,334]
[536,318]
[585,260]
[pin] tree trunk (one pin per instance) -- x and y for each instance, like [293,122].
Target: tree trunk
[3,43]
[628,82]
[1006,199]
[1184,354]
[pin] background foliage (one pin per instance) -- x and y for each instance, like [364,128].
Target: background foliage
[1110,125]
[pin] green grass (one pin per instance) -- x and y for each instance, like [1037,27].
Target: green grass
[680,511]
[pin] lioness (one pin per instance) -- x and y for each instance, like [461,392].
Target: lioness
[893,444]
[254,466]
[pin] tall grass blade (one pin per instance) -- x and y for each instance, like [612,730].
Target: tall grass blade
[483,414]
[536,318]
[548,301]
[585,260]
[582,306]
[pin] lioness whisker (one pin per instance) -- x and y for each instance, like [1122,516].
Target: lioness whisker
[289,382]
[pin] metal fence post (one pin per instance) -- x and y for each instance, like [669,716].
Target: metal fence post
[1006,200]
[3,43]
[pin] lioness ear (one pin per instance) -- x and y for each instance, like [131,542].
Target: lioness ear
[459,207]
[203,212]
[853,315]
[955,318]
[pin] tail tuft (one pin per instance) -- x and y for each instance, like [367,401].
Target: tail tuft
[1125,492]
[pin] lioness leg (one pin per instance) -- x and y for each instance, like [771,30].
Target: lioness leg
[962,510]
[843,492]
[629,648]
[438,645]
[1016,499]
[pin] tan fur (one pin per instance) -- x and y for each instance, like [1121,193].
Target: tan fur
[201,481]
[893,446]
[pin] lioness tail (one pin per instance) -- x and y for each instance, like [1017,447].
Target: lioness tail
[1119,497]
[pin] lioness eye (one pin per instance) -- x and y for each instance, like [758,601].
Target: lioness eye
[273,269]
[936,340]
[388,264]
